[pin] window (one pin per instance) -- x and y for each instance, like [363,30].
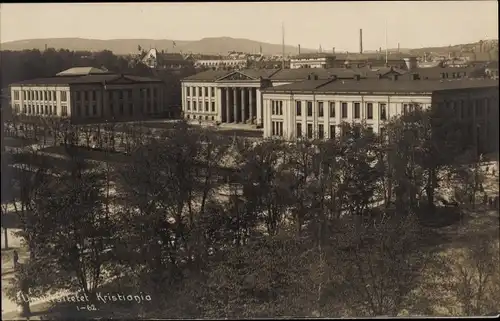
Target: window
[206,105]
[298,108]
[479,108]
[344,110]
[46,110]
[50,110]
[87,110]
[199,91]
[298,129]
[356,131]
[188,92]
[357,114]
[206,91]
[85,95]
[383,134]
[188,107]
[309,130]
[130,109]
[148,107]
[53,96]
[321,111]
[111,109]
[44,93]
[332,131]
[332,109]
[213,106]
[64,110]
[16,94]
[24,109]
[309,108]
[212,91]
[63,96]
[77,95]
[277,129]
[383,112]
[321,131]
[369,110]
[120,94]
[194,105]
[121,108]
[24,94]
[276,107]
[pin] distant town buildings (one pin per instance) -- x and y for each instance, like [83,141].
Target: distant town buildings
[161,60]
[90,95]
[312,60]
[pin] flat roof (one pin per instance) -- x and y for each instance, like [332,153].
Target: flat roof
[85,79]
[383,85]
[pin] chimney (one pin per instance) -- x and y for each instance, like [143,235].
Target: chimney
[360,41]
[398,47]
[333,50]
[299,49]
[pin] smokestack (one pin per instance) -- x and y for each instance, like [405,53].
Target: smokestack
[45,47]
[283,45]
[299,49]
[333,50]
[398,47]
[360,41]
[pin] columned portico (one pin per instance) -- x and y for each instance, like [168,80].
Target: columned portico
[238,104]
[251,102]
[235,106]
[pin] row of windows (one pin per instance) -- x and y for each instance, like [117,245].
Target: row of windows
[40,95]
[41,110]
[464,109]
[192,91]
[321,131]
[114,110]
[343,110]
[200,117]
[50,95]
[195,106]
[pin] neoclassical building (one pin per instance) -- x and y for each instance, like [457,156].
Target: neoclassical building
[317,108]
[87,95]
[227,96]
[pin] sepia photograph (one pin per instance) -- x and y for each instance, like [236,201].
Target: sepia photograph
[246,160]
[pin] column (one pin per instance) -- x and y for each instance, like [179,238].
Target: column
[250,99]
[243,105]
[235,107]
[228,113]
[258,101]
[218,104]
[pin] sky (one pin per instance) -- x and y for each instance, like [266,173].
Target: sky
[412,24]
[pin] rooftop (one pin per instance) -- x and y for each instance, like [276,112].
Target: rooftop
[81,71]
[69,79]
[315,55]
[383,85]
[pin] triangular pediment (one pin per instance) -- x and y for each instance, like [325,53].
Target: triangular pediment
[236,75]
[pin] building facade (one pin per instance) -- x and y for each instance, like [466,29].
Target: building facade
[313,60]
[317,109]
[87,95]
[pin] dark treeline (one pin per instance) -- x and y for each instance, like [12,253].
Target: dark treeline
[30,64]
[343,227]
